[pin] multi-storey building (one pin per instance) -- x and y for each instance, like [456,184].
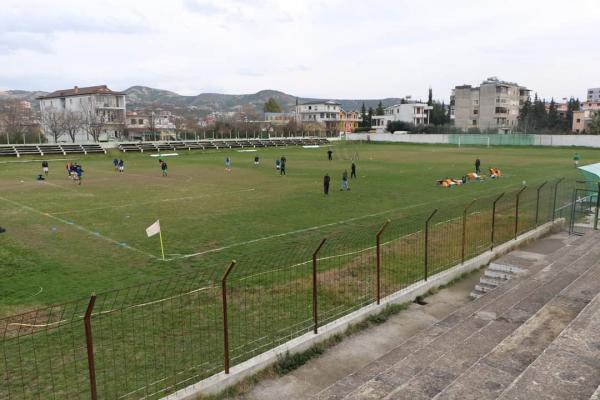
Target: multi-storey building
[492,106]
[151,125]
[326,113]
[95,106]
[583,117]
[593,94]
[412,113]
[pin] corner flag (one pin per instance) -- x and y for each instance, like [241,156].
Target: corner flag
[153,230]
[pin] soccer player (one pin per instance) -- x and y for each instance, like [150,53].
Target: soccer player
[116,164]
[163,168]
[256,160]
[345,181]
[228,164]
[45,167]
[326,181]
[121,166]
[478,166]
[282,166]
[576,159]
[78,173]
[353,170]
[329,155]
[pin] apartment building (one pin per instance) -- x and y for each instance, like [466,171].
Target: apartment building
[492,106]
[151,125]
[593,94]
[412,113]
[97,105]
[583,117]
[326,113]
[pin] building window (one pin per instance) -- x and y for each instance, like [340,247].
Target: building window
[322,115]
[475,112]
[474,122]
[140,121]
[133,122]
[578,120]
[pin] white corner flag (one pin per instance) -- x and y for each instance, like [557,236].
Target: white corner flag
[153,230]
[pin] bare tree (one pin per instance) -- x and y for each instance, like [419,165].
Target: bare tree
[53,123]
[73,122]
[92,123]
[12,120]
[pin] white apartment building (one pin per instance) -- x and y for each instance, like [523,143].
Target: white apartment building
[151,125]
[95,105]
[412,113]
[593,94]
[323,112]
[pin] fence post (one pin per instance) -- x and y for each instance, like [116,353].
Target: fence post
[427,242]
[378,241]
[89,342]
[464,231]
[225,326]
[494,219]
[597,208]
[537,203]
[554,203]
[314,285]
[517,211]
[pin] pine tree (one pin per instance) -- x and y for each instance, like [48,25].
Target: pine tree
[430,98]
[272,106]
[573,105]
[594,125]
[379,110]
[525,115]
[363,114]
[553,118]
[370,116]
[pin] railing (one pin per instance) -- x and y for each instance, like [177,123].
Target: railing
[151,340]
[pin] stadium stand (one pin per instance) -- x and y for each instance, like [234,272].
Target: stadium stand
[218,144]
[47,149]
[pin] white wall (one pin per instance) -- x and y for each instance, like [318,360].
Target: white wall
[538,140]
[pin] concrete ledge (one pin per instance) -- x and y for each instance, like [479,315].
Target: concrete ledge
[221,381]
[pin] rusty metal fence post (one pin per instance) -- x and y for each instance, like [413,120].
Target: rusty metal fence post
[493,229]
[554,203]
[225,325]
[537,203]
[89,343]
[517,211]
[426,261]
[378,242]
[464,231]
[314,286]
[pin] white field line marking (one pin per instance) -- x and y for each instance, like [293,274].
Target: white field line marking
[147,202]
[81,228]
[312,228]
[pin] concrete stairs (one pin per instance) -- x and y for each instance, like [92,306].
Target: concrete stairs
[523,339]
[495,274]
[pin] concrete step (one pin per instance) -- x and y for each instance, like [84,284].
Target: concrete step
[569,367]
[476,294]
[468,334]
[485,287]
[492,281]
[494,372]
[506,268]
[498,274]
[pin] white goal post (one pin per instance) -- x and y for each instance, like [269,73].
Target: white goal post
[473,140]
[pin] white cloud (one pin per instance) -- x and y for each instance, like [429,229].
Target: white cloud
[335,49]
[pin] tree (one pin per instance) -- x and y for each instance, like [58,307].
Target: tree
[553,117]
[525,115]
[430,98]
[572,105]
[379,110]
[369,121]
[53,123]
[594,125]
[73,122]
[438,115]
[93,123]
[363,114]
[272,106]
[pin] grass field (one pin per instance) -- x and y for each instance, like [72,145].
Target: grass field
[64,241]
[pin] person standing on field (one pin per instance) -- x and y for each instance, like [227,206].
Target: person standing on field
[121,166]
[478,166]
[228,164]
[163,168]
[45,167]
[329,155]
[326,181]
[345,181]
[282,166]
[353,170]
[576,159]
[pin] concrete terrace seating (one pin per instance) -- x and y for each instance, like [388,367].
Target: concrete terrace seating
[536,336]
[8,151]
[219,144]
[48,149]
[92,148]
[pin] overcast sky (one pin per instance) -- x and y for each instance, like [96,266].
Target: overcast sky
[310,48]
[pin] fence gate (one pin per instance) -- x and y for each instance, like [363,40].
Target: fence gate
[584,211]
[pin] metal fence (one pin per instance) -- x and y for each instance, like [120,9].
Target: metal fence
[148,341]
